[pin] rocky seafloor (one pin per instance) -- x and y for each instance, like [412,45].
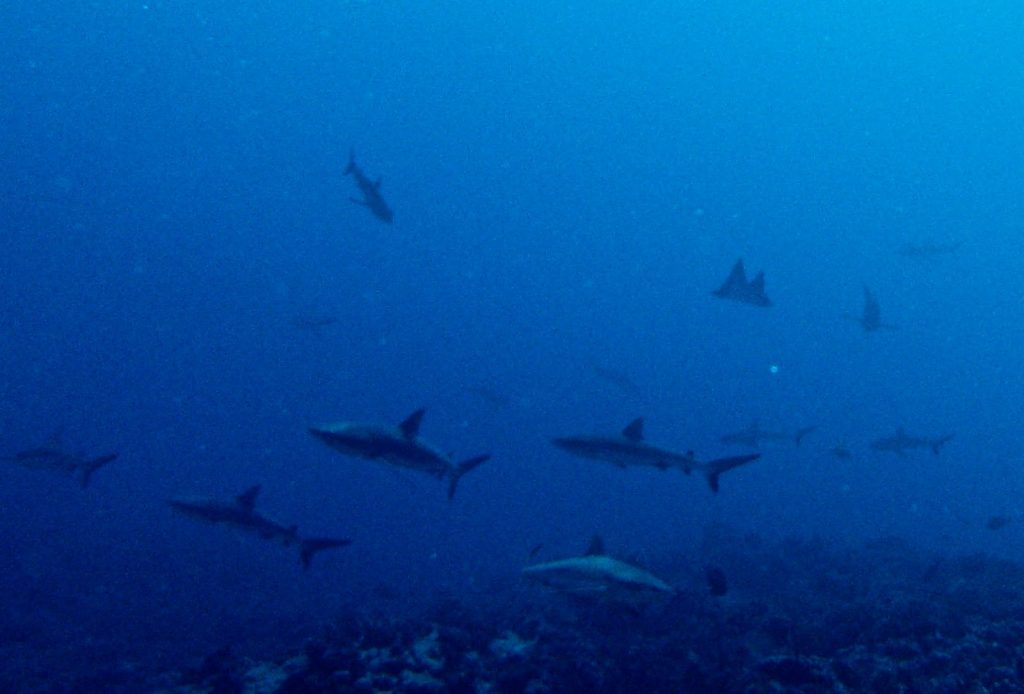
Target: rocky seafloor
[799,616]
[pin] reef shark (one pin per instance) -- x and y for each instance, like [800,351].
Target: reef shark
[372,199]
[900,443]
[737,288]
[753,435]
[596,576]
[400,446]
[928,251]
[54,458]
[630,449]
[240,513]
[871,318]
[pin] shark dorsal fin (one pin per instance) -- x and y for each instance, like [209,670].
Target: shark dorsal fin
[596,547]
[247,499]
[634,431]
[738,274]
[411,426]
[757,284]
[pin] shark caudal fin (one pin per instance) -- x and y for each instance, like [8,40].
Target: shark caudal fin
[938,443]
[93,465]
[801,433]
[462,468]
[351,162]
[714,469]
[310,546]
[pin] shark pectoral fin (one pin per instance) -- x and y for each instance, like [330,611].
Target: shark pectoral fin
[634,431]
[410,426]
[310,546]
[247,499]
[462,468]
[712,476]
[93,465]
[595,548]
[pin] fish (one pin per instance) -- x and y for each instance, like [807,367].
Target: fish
[717,583]
[400,446]
[617,378]
[900,442]
[629,449]
[871,317]
[998,522]
[598,577]
[240,513]
[54,458]
[753,435]
[372,199]
[928,251]
[737,288]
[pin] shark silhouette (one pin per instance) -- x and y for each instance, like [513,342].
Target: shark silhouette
[871,318]
[737,288]
[372,199]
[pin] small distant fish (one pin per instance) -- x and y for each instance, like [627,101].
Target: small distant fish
[900,443]
[372,199]
[490,396]
[717,583]
[617,378]
[400,446]
[54,458]
[928,251]
[998,522]
[737,288]
[753,435]
[841,452]
[240,513]
[535,550]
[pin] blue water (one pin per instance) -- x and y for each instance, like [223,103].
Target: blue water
[570,181]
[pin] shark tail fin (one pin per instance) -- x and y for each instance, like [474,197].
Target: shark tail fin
[462,468]
[93,465]
[310,546]
[938,443]
[351,161]
[801,433]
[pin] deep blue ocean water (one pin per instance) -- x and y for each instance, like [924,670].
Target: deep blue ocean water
[570,182]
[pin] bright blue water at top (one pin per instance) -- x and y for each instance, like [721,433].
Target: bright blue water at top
[570,181]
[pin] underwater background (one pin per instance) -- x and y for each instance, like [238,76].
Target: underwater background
[185,281]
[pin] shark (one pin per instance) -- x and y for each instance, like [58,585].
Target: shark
[629,449]
[753,435]
[372,199]
[871,318]
[595,576]
[737,288]
[900,443]
[400,446]
[54,458]
[928,251]
[240,513]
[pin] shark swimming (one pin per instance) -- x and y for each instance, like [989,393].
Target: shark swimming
[240,513]
[900,443]
[630,449]
[871,318]
[598,577]
[737,288]
[54,458]
[400,446]
[753,435]
[372,199]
